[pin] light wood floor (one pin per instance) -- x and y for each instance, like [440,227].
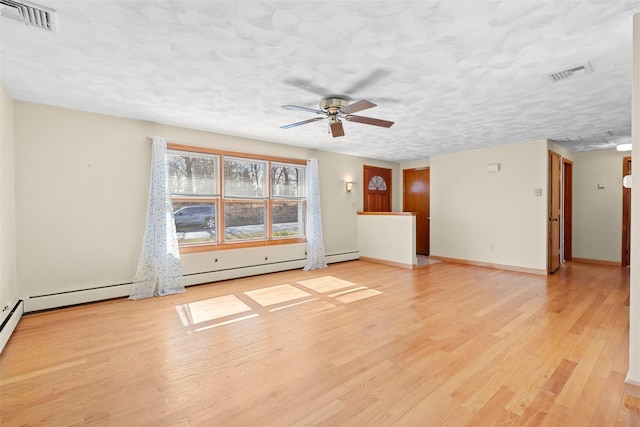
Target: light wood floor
[355,344]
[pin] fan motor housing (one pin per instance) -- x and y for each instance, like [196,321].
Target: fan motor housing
[332,105]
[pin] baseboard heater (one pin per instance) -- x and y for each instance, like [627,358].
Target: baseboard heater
[202,277]
[10,323]
[81,296]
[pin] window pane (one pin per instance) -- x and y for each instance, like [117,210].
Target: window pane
[287,181]
[195,221]
[192,174]
[244,220]
[377,183]
[244,178]
[288,218]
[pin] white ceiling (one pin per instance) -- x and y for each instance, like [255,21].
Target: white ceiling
[452,75]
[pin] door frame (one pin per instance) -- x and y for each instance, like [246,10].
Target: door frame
[554,217]
[566,233]
[626,214]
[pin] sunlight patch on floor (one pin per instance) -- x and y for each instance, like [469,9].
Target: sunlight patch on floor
[276,294]
[292,305]
[210,309]
[357,296]
[359,288]
[326,284]
[238,319]
[230,309]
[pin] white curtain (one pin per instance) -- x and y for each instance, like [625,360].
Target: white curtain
[315,244]
[159,268]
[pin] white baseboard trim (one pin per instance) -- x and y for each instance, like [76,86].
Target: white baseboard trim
[490,265]
[347,256]
[45,302]
[391,263]
[10,323]
[632,388]
[235,273]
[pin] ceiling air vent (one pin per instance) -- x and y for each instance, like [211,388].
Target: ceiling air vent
[29,13]
[571,73]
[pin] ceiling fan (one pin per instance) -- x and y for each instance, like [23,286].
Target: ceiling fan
[336,108]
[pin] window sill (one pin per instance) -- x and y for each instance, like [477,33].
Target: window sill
[239,245]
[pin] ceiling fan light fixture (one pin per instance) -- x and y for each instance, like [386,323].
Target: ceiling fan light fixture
[333,105]
[335,108]
[335,126]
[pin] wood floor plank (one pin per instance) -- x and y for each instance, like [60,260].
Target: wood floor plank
[447,344]
[629,412]
[580,375]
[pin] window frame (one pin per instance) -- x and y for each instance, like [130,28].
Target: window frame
[276,199]
[219,200]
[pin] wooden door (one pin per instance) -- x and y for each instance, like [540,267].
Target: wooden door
[554,212]
[377,189]
[626,214]
[567,209]
[416,184]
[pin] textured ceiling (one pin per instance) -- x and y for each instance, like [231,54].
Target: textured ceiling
[452,75]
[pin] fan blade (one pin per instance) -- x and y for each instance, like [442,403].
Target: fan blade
[357,106]
[307,85]
[369,121]
[336,128]
[368,80]
[292,125]
[295,107]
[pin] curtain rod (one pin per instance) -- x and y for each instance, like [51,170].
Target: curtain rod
[149,139]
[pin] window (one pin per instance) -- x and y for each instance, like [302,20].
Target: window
[377,183]
[222,198]
[245,199]
[288,200]
[195,195]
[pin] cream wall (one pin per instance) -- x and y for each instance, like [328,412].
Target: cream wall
[81,194]
[388,238]
[491,217]
[597,212]
[423,163]
[8,279]
[80,198]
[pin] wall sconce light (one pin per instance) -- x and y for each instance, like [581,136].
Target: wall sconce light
[348,185]
[624,147]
